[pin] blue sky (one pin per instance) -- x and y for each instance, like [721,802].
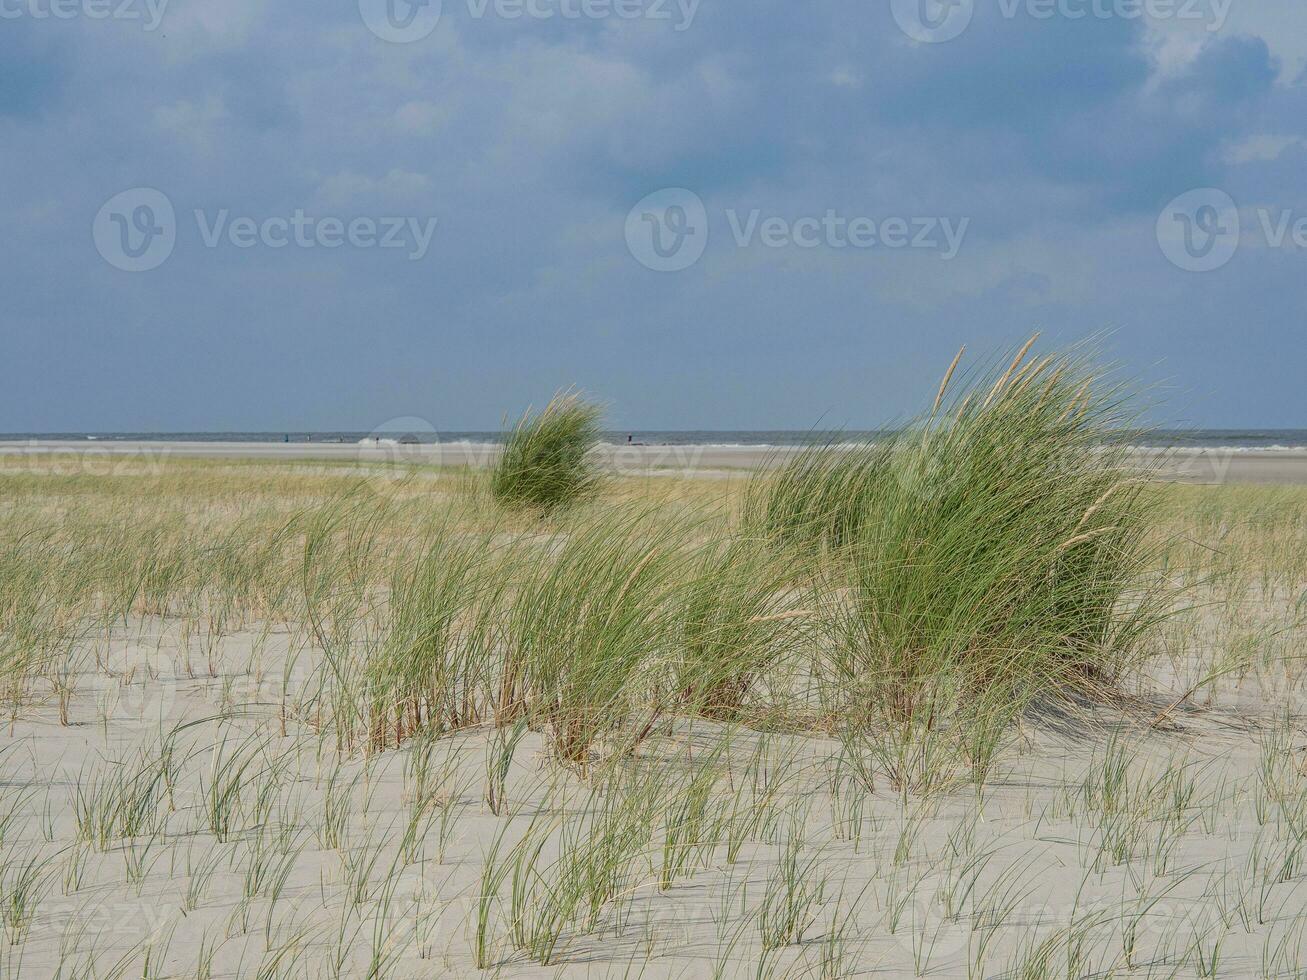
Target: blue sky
[1054,142]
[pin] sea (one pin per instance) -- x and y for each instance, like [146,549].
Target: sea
[1236,440]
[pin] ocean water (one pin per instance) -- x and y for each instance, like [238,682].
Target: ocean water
[1228,439]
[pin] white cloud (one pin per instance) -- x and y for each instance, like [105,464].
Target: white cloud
[193,123]
[422,117]
[398,188]
[1263,146]
[195,29]
[845,78]
[1282,24]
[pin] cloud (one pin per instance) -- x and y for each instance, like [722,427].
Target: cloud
[1060,140]
[1259,147]
[395,190]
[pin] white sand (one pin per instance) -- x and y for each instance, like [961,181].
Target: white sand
[1207,466]
[1015,867]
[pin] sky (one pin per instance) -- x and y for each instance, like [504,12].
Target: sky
[268,215]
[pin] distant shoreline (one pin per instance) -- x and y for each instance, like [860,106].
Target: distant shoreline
[412,429]
[1211,465]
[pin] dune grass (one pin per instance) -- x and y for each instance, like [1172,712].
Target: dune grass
[923,590]
[997,550]
[671,712]
[435,664]
[545,461]
[743,614]
[591,623]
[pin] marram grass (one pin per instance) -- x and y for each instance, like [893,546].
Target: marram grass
[912,596]
[590,624]
[546,460]
[995,551]
[275,610]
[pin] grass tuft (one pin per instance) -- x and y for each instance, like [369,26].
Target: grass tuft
[546,457]
[995,551]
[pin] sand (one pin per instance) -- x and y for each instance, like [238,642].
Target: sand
[953,886]
[1199,466]
[337,864]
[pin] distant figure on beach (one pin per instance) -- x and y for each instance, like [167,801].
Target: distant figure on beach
[628,439]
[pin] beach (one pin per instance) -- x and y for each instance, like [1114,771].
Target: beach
[256,725]
[1214,466]
[614,490]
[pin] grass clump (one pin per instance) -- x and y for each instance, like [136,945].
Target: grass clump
[433,670]
[993,552]
[590,626]
[742,617]
[818,499]
[546,458]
